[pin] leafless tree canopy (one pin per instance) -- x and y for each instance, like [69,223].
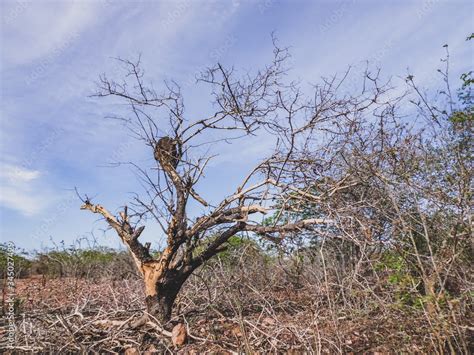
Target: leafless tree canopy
[244,106]
[347,167]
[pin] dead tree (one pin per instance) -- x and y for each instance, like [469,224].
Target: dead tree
[260,102]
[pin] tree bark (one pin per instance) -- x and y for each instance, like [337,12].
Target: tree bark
[160,306]
[161,297]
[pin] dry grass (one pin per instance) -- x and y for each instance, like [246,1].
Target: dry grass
[228,308]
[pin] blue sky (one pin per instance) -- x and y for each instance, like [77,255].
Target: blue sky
[54,136]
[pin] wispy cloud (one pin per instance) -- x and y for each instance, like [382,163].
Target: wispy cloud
[18,173]
[33,30]
[20,190]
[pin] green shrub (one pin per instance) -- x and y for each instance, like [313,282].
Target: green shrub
[401,279]
[21,263]
[91,262]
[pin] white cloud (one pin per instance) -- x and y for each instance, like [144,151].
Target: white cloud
[38,29]
[18,173]
[22,201]
[20,190]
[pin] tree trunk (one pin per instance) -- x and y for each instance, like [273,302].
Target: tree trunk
[160,302]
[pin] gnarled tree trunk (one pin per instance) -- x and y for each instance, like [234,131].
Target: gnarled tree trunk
[160,294]
[161,305]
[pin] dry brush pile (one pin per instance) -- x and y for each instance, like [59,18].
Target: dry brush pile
[247,300]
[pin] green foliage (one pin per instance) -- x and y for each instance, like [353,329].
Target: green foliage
[390,261]
[94,255]
[466,114]
[401,279]
[233,248]
[91,262]
[234,244]
[20,261]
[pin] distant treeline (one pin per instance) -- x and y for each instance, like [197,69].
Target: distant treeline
[69,262]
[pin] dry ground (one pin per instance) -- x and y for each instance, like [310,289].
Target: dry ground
[72,315]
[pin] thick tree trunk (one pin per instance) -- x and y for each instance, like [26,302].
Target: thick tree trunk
[160,299]
[161,304]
